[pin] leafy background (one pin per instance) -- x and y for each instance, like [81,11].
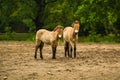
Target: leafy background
[99,19]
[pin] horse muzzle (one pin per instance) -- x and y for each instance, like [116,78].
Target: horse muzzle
[59,36]
[76,32]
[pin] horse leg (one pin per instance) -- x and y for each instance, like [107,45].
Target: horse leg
[66,48]
[36,47]
[70,50]
[71,45]
[75,50]
[41,47]
[35,55]
[54,51]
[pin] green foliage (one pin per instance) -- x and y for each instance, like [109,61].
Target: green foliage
[94,13]
[8,30]
[99,19]
[15,13]
[29,23]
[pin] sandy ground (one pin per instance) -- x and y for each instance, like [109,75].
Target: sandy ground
[93,62]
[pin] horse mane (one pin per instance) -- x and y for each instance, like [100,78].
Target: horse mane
[58,27]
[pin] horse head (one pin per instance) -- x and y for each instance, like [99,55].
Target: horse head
[59,30]
[76,26]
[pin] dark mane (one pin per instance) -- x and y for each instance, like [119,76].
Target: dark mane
[58,27]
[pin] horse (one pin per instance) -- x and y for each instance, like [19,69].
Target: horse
[48,37]
[70,36]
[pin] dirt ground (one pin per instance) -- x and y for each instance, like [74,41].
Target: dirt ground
[93,62]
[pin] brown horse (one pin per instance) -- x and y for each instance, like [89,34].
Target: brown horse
[48,37]
[70,35]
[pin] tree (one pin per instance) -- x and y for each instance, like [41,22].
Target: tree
[18,15]
[98,16]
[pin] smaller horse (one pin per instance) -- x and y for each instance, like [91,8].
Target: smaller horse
[48,37]
[70,35]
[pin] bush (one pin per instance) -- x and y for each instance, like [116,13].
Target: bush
[97,38]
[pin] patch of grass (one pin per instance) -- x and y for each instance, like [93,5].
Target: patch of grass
[17,36]
[100,39]
[88,39]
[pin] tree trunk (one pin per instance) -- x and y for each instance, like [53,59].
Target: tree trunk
[39,20]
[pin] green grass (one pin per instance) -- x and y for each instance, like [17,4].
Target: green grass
[17,37]
[89,39]
[100,39]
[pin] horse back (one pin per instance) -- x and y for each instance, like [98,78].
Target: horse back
[46,36]
[40,32]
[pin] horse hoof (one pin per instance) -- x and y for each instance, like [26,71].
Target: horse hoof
[42,58]
[35,57]
[75,57]
[70,56]
[54,58]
